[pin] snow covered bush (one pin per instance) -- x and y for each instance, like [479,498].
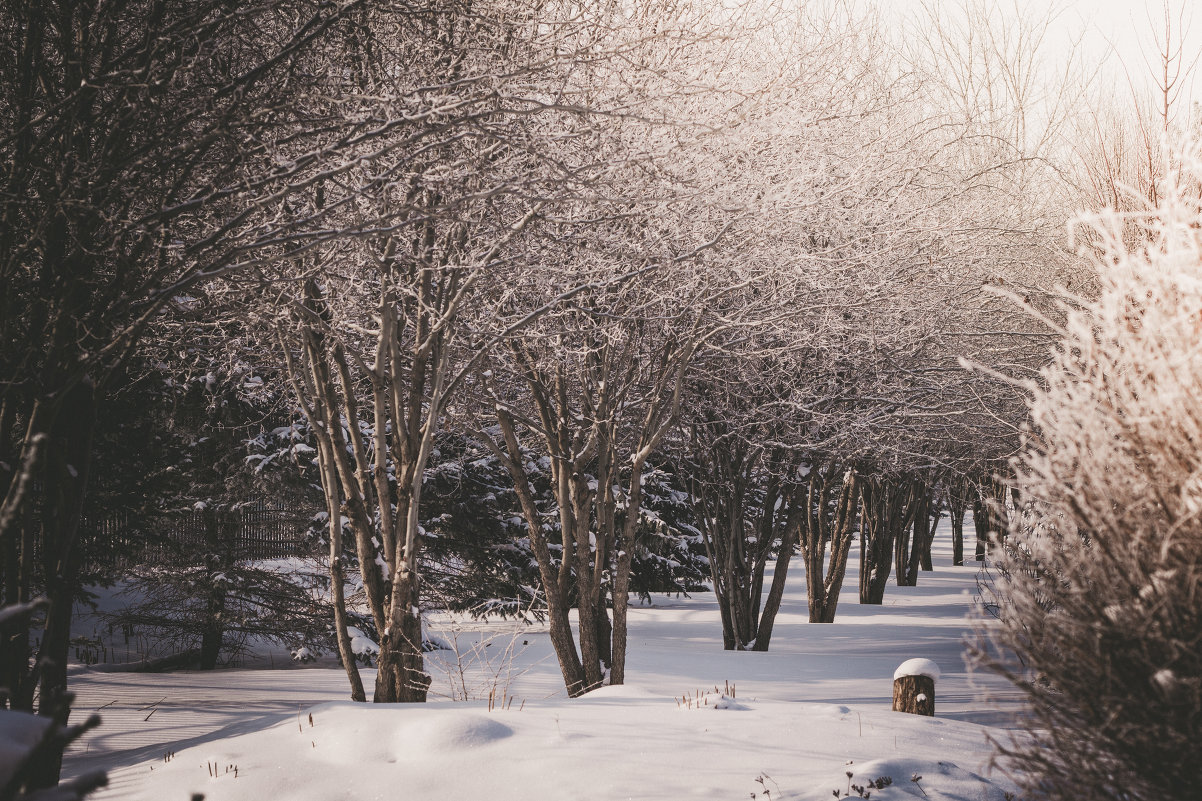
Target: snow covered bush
[1103,571]
[31,746]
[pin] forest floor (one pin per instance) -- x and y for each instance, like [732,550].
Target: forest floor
[789,723]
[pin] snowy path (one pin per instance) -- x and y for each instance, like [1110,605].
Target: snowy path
[675,648]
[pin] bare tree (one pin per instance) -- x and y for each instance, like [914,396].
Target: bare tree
[1101,568]
[483,175]
[1119,143]
[136,167]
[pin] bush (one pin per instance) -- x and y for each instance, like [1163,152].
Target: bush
[1102,573]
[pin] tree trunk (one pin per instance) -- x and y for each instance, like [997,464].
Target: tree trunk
[934,515]
[877,535]
[957,506]
[65,477]
[621,610]
[840,546]
[308,387]
[605,631]
[553,579]
[212,631]
[776,592]
[994,518]
[338,582]
[728,626]
[830,519]
[17,538]
[926,518]
[980,521]
[400,668]
[219,558]
[902,555]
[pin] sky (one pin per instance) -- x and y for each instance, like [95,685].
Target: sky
[1128,26]
[1111,39]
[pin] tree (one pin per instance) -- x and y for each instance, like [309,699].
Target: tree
[1119,153]
[135,167]
[186,498]
[477,557]
[605,389]
[748,500]
[1099,599]
[479,181]
[830,523]
[22,767]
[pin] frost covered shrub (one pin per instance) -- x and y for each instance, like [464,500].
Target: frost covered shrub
[1103,587]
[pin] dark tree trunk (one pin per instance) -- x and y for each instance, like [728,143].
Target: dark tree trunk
[219,558]
[776,592]
[980,520]
[740,531]
[565,649]
[886,511]
[212,633]
[830,520]
[902,553]
[957,506]
[17,542]
[934,515]
[912,540]
[605,630]
[876,542]
[64,478]
[621,607]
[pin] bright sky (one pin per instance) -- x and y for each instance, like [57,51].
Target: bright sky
[1135,30]
[1121,33]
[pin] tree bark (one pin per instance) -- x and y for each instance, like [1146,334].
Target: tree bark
[400,668]
[980,521]
[621,610]
[882,516]
[957,506]
[776,592]
[219,559]
[65,476]
[931,524]
[914,694]
[830,519]
[553,579]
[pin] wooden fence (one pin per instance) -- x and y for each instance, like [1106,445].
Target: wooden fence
[253,531]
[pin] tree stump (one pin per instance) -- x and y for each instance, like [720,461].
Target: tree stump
[914,687]
[914,694]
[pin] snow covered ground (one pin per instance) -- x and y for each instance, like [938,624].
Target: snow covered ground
[805,714]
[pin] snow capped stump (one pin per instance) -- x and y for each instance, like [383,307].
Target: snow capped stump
[914,687]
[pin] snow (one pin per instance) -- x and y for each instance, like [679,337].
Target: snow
[795,719]
[729,703]
[938,780]
[19,733]
[917,667]
[360,643]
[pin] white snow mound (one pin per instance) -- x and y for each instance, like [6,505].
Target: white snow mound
[614,691]
[917,667]
[729,703]
[908,779]
[450,732]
